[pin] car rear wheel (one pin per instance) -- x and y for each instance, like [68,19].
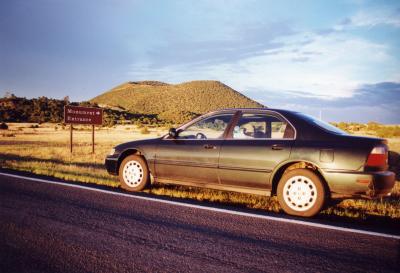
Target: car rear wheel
[301,193]
[133,173]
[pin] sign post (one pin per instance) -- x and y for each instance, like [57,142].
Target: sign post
[70,138]
[83,115]
[92,139]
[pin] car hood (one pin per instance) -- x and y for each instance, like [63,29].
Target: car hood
[137,143]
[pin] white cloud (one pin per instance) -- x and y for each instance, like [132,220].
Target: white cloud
[330,66]
[376,17]
[326,66]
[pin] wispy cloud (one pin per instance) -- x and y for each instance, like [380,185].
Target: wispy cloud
[365,19]
[375,17]
[246,41]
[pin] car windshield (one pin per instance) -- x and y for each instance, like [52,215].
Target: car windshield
[322,124]
[208,128]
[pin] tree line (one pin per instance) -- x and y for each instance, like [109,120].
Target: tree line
[43,109]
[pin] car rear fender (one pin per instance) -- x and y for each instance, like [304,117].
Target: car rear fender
[341,153]
[294,164]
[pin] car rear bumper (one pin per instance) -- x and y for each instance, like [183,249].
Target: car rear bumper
[112,165]
[370,185]
[382,184]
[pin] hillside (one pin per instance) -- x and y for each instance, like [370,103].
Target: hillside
[174,102]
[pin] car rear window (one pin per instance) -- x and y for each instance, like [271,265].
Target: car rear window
[322,124]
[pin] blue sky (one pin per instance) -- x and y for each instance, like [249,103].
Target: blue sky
[340,57]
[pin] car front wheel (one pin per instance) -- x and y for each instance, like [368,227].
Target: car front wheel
[301,193]
[133,173]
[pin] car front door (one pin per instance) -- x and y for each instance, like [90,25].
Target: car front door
[256,144]
[193,155]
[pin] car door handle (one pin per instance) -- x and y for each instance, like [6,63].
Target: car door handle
[209,147]
[277,147]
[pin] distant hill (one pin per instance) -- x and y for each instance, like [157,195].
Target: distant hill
[146,102]
[174,102]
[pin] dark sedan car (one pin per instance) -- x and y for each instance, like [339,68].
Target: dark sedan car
[302,160]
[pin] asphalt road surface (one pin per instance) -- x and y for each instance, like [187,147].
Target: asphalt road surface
[55,228]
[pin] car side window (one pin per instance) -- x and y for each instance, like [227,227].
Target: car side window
[262,126]
[208,128]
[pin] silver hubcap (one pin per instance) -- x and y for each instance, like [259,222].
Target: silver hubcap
[133,173]
[300,193]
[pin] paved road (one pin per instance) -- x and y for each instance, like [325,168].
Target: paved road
[54,228]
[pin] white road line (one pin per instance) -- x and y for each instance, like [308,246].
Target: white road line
[291,221]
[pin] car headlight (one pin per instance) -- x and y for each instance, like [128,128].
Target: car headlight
[112,151]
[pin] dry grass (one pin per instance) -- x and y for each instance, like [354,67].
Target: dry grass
[45,151]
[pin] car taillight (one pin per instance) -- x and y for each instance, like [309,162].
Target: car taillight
[378,158]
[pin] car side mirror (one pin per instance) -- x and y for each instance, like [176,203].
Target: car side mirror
[173,133]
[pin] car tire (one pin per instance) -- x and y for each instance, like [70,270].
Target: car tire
[133,173]
[301,192]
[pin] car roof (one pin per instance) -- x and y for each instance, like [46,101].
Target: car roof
[253,109]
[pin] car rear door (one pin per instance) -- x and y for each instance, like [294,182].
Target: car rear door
[257,143]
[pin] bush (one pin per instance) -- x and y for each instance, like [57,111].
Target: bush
[388,131]
[3,126]
[139,125]
[144,131]
[357,127]
[177,116]
[343,126]
[373,126]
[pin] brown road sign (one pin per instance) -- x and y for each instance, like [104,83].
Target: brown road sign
[83,115]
